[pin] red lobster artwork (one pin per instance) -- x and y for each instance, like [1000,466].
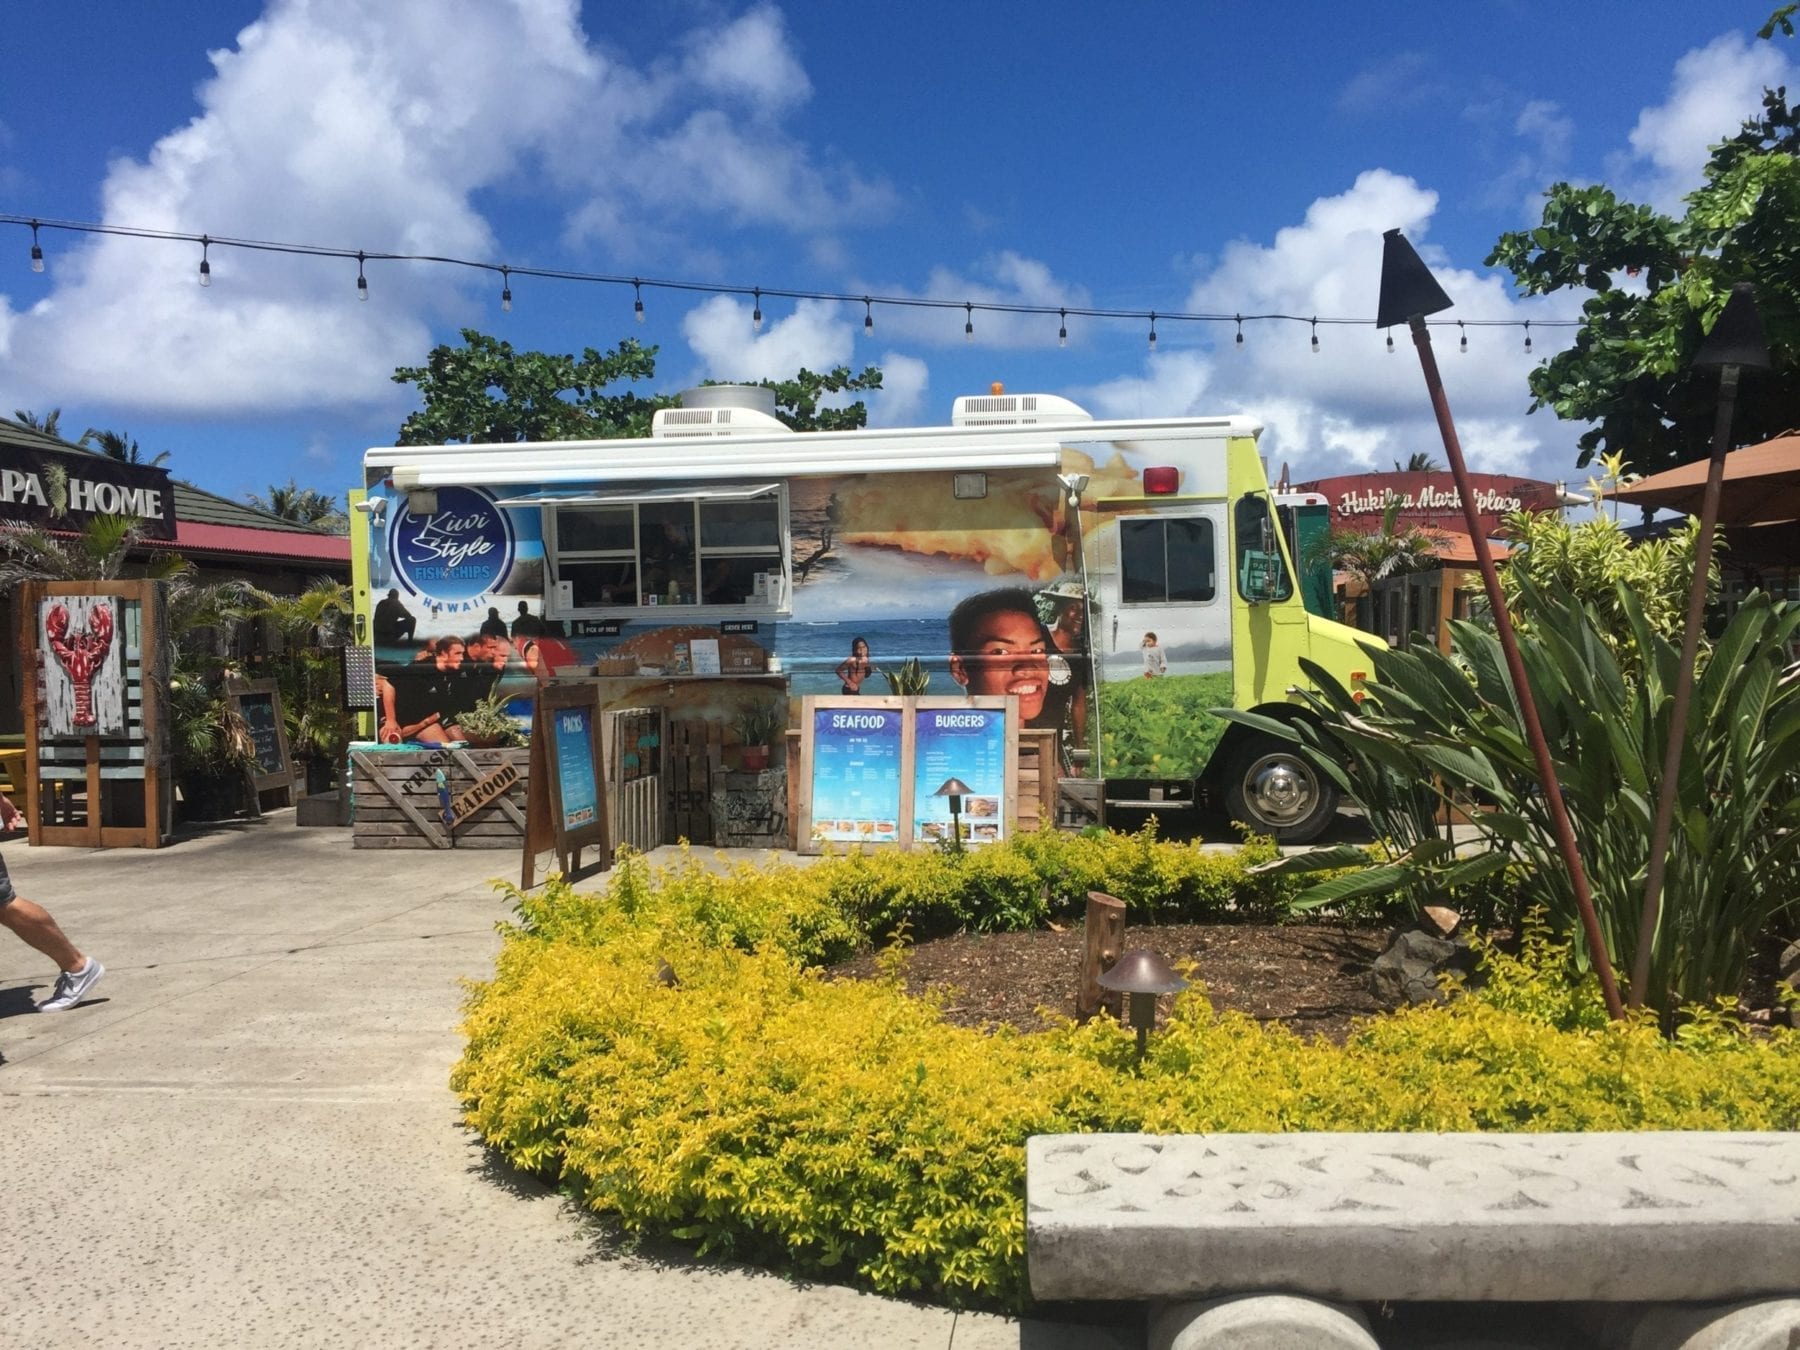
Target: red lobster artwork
[80,653]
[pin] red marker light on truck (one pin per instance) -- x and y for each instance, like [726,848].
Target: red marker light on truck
[1162,480]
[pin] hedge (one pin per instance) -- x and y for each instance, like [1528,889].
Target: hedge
[757,1108]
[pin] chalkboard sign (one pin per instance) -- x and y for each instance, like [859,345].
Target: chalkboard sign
[259,703]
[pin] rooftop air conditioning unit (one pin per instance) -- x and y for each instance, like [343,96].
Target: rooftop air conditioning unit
[1016,410]
[720,410]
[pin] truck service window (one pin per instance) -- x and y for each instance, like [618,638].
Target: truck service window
[671,551]
[1166,560]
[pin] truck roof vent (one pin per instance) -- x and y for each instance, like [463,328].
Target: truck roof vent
[688,423]
[1015,410]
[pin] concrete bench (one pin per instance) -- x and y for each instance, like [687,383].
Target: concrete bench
[1362,1218]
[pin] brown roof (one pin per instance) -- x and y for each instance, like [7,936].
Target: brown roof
[1762,484]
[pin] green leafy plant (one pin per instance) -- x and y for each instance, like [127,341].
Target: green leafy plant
[909,677]
[1450,726]
[756,724]
[1161,728]
[489,723]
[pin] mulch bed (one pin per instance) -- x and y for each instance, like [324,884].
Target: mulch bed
[1310,976]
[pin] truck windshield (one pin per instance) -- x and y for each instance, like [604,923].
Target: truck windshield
[1262,574]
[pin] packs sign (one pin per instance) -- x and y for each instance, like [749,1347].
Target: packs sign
[1428,500]
[65,491]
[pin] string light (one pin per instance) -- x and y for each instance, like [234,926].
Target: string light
[1152,330]
[506,290]
[205,266]
[361,257]
[1463,346]
[756,314]
[1390,338]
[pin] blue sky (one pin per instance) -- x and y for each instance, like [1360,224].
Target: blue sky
[1216,157]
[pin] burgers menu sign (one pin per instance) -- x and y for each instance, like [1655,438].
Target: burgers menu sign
[65,490]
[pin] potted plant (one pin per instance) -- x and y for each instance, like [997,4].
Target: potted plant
[488,724]
[212,748]
[756,725]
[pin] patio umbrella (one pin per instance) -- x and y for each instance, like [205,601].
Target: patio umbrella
[1761,484]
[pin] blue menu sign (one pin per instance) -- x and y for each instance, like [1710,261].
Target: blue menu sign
[967,744]
[575,776]
[856,775]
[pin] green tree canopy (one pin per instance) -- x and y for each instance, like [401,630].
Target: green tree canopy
[50,426]
[1657,283]
[487,391]
[303,506]
[117,445]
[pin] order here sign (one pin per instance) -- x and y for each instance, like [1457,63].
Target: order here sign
[57,490]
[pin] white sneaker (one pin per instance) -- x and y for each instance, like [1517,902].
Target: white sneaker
[72,988]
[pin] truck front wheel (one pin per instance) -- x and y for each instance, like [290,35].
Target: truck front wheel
[1271,787]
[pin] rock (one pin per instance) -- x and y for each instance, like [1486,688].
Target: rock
[1787,966]
[1408,971]
[1261,1322]
[1762,1324]
[1439,921]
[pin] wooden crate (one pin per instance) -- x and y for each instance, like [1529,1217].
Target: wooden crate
[394,798]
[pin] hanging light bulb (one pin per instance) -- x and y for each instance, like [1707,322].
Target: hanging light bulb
[1390,338]
[205,266]
[968,323]
[637,305]
[756,313]
[362,282]
[1240,331]
[1062,334]
[1315,335]
[1528,335]
[506,290]
[37,251]
[868,319]
[1463,346]
[1153,330]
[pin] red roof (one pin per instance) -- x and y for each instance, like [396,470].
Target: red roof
[299,545]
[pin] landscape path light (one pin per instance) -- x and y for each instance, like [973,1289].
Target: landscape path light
[1144,975]
[1408,293]
[1735,344]
[955,789]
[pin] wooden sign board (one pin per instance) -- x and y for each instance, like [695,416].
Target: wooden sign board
[485,793]
[565,798]
[870,768]
[259,703]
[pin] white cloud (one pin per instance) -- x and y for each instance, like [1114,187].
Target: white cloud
[1351,405]
[1714,88]
[1395,81]
[344,123]
[816,335]
[900,402]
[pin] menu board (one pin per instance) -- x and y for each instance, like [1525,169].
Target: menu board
[856,775]
[579,798]
[968,744]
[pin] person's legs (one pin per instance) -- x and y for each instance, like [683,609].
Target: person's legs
[37,929]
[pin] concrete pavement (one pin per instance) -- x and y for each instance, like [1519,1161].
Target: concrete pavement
[246,1136]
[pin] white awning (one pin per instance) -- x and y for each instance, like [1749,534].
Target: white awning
[722,492]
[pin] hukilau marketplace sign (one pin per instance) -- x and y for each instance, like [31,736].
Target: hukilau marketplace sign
[63,491]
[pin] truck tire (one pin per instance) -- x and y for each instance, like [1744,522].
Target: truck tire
[1271,787]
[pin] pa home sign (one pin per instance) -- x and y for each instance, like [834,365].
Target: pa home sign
[63,490]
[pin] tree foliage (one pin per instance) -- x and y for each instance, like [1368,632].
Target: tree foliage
[117,445]
[50,425]
[1656,284]
[486,391]
[303,506]
[1376,555]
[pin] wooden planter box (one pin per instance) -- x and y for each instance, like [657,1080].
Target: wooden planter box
[394,797]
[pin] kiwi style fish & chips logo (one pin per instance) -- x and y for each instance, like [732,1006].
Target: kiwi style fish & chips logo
[455,556]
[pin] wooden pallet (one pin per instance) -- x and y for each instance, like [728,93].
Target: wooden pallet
[696,759]
[394,798]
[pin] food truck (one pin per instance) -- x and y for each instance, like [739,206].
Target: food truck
[1120,581]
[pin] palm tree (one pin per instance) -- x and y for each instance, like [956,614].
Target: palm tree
[1378,555]
[1419,461]
[117,445]
[50,425]
[303,506]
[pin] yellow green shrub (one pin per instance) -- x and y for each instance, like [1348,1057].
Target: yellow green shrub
[836,1127]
